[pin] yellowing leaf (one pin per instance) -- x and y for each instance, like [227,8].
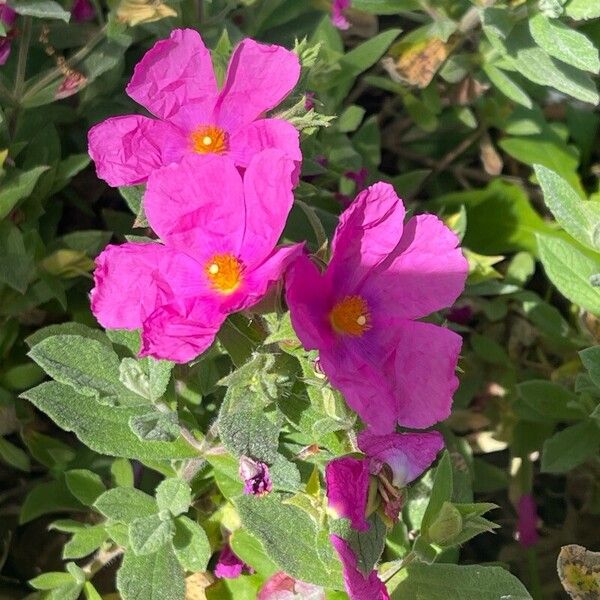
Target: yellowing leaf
[135,12]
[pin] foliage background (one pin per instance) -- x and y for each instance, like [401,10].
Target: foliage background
[452,101]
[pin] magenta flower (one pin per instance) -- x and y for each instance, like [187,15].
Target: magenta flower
[338,17]
[361,313]
[175,81]
[527,526]
[229,566]
[406,455]
[82,10]
[216,256]
[256,477]
[283,587]
[8,18]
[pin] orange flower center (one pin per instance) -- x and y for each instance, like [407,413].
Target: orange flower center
[208,139]
[351,316]
[224,272]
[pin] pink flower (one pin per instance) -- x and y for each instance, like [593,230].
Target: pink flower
[82,10]
[175,81]
[407,455]
[361,313]
[8,18]
[70,85]
[217,255]
[527,527]
[256,477]
[337,13]
[283,587]
[229,566]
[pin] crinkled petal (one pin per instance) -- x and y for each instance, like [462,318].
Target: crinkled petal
[132,280]
[262,135]
[175,73]
[366,234]
[408,454]
[259,77]
[425,377]
[425,273]
[357,585]
[347,481]
[309,299]
[182,330]
[198,205]
[281,586]
[256,282]
[127,149]
[337,14]
[229,566]
[268,199]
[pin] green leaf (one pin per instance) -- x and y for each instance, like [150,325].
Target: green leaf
[590,357]
[86,365]
[84,485]
[385,7]
[506,85]
[122,472]
[90,592]
[14,456]
[440,493]
[351,118]
[148,377]
[570,270]
[43,9]
[564,43]
[191,545]
[271,522]
[17,267]
[84,542]
[570,447]
[583,9]
[17,187]
[49,581]
[579,218]
[125,504]
[252,552]
[148,534]
[546,401]
[534,63]
[155,426]
[48,497]
[366,545]
[102,428]
[157,576]
[67,329]
[444,581]
[174,495]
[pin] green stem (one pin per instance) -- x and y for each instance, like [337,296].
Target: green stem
[22,58]
[397,566]
[535,585]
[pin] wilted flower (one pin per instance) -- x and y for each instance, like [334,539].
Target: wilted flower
[82,10]
[360,314]
[229,566]
[309,100]
[255,475]
[175,81]
[7,17]
[70,85]
[406,456]
[337,13]
[527,526]
[217,257]
[283,587]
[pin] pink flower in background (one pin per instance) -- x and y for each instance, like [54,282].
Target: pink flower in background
[407,455]
[283,587]
[8,18]
[256,477]
[229,566]
[70,85]
[337,13]
[175,81]
[217,255]
[82,10]
[527,526]
[361,312]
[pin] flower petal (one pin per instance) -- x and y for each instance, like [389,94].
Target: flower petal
[261,135]
[176,73]
[268,199]
[309,298]
[408,454]
[127,149]
[337,15]
[347,481]
[259,77]
[198,205]
[182,330]
[425,379]
[426,271]
[358,586]
[132,280]
[366,234]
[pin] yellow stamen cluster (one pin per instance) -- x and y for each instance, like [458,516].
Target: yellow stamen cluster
[224,272]
[351,316]
[209,139]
